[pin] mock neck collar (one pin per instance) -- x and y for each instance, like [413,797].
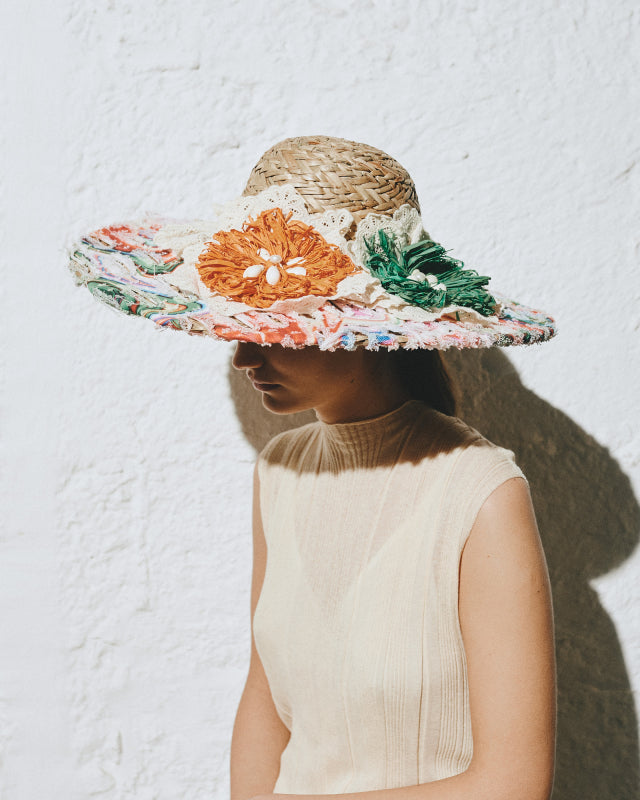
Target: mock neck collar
[370,442]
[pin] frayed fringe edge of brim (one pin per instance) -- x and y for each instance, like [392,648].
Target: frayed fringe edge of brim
[437,335]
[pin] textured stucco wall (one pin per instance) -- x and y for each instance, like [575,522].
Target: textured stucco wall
[125,554]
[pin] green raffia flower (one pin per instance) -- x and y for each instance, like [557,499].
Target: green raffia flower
[424,275]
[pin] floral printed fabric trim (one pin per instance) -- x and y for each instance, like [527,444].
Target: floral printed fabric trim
[126,269]
[272,258]
[150,259]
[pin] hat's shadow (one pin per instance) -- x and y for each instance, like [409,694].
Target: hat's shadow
[589,521]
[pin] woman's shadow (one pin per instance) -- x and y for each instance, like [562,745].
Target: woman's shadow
[589,522]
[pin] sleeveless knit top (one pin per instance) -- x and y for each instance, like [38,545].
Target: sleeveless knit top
[357,621]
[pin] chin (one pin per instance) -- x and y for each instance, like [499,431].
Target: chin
[283,405]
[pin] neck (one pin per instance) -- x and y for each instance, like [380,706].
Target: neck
[371,393]
[358,413]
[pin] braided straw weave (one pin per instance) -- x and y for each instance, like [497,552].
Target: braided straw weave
[336,173]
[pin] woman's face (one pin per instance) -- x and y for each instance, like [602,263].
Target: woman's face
[336,384]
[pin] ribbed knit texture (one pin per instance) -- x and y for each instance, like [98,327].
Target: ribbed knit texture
[357,623]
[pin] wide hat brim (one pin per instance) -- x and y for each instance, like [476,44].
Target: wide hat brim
[124,267]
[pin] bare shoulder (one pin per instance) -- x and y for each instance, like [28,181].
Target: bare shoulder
[505,523]
[503,553]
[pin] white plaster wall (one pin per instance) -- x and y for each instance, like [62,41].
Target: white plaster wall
[127,456]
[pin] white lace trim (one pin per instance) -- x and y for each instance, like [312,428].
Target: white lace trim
[405,226]
[186,240]
[331,225]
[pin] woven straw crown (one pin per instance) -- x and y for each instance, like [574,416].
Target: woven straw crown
[335,173]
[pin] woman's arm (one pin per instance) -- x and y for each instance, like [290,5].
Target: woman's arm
[507,628]
[259,735]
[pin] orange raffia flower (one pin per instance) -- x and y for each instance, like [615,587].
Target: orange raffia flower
[272,258]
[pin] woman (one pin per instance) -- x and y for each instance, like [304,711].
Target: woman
[402,641]
[504,601]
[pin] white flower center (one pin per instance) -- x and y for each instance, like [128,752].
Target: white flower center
[273,274]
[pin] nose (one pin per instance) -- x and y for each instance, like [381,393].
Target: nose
[248,355]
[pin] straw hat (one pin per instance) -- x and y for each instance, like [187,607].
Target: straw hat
[325,247]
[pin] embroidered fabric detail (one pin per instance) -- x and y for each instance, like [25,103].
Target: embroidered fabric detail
[187,240]
[424,275]
[272,258]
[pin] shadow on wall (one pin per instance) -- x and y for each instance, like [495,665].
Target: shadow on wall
[589,521]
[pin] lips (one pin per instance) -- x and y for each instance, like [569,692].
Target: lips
[262,385]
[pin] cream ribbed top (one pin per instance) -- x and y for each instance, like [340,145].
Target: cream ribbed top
[357,622]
